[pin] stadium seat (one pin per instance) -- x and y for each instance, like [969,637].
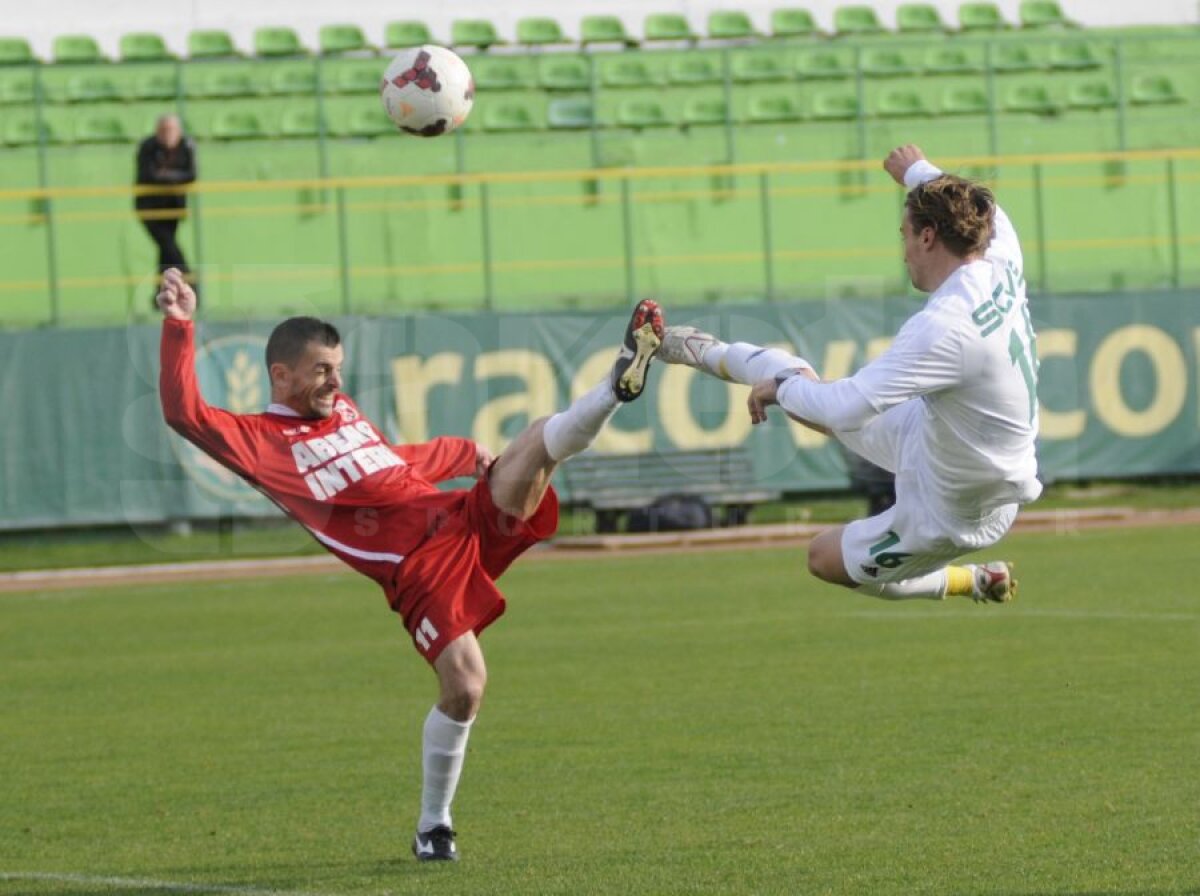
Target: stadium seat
[604,30]
[641,112]
[274,41]
[478,33]
[15,51]
[366,120]
[210,44]
[757,65]
[856,21]
[298,122]
[695,68]
[540,32]
[355,75]
[1012,57]
[503,72]
[765,108]
[214,80]
[832,105]
[886,62]
[564,71]
[16,88]
[901,102]
[513,114]
[953,60]
[236,124]
[1091,94]
[408,33]
[23,130]
[291,79]
[824,64]
[341,38]
[964,99]
[792,23]
[730,25]
[1074,55]
[919,18]
[100,129]
[980,17]
[570,113]
[91,88]
[667,26]
[76,49]
[1042,14]
[143,46]
[153,85]
[1027,97]
[705,110]
[626,70]
[1152,90]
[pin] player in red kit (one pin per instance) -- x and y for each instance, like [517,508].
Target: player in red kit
[374,505]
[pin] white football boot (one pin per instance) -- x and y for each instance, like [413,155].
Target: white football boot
[994,582]
[686,345]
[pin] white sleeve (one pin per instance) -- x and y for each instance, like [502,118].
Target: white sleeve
[1004,244]
[837,405]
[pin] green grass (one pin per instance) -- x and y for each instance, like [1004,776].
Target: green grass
[693,723]
[281,538]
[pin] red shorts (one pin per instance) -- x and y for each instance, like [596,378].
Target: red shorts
[446,587]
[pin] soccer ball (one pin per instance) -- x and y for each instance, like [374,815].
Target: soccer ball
[427,91]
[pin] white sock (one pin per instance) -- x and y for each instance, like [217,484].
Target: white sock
[748,364]
[931,586]
[572,430]
[444,744]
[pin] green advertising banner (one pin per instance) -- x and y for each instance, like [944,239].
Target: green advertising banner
[83,440]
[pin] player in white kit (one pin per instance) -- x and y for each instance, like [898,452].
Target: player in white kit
[950,407]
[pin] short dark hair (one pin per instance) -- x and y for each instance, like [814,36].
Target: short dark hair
[290,338]
[961,213]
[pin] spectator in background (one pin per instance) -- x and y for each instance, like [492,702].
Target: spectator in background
[165,159]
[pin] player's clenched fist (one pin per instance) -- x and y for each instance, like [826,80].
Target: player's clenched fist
[900,159]
[176,297]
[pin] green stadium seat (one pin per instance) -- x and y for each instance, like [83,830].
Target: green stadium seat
[919,18]
[834,105]
[1042,14]
[793,23]
[953,60]
[16,88]
[570,113]
[100,129]
[1154,90]
[540,32]
[275,41]
[236,124]
[356,75]
[886,62]
[824,65]
[1074,55]
[478,33]
[980,17]
[76,49]
[856,21]
[291,79]
[604,30]
[1028,97]
[298,122]
[91,88]
[23,130]
[901,102]
[730,25]
[667,26]
[1013,57]
[964,99]
[211,44]
[695,68]
[503,72]
[642,112]
[408,33]
[143,46]
[515,114]
[341,38]
[1091,94]
[765,108]
[758,65]
[16,51]
[214,80]
[564,71]
[705,110]
[626,70]
[364,120]
[153,85]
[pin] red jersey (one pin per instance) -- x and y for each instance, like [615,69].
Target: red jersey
[369,502]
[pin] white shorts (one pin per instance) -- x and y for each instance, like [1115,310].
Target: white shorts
[911,538]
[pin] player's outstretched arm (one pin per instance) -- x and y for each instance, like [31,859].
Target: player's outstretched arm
[176,298]
[900,159]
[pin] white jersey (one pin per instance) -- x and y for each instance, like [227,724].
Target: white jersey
[969,357]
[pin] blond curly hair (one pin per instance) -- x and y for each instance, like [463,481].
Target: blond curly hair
[960,212]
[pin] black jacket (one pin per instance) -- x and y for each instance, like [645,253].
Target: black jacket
[161,166]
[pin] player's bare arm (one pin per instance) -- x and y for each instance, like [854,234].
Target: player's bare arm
[900,159]
[766,393]
[176,298]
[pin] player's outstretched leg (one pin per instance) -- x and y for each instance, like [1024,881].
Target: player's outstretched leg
[739,362]
[984,583]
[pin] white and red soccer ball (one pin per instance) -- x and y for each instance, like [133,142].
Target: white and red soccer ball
[427,91]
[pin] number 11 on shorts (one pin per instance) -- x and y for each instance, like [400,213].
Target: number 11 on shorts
[425,634]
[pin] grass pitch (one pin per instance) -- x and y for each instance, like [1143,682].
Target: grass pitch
[678,724]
